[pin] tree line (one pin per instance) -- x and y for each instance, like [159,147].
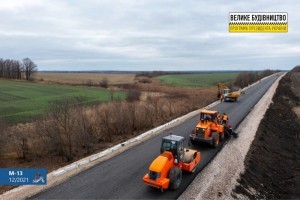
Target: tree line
[246,78]
[15,69]
[70,130]
[151,74]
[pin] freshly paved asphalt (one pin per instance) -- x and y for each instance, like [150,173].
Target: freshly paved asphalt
[121,176]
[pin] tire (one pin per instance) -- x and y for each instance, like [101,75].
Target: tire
[175,176]
[222,135]
[192,142]
[193,170]
[215,140]
[226,131]
[235,135]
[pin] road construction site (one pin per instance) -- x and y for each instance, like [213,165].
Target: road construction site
[123,172]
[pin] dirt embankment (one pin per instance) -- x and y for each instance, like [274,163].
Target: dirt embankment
[272,166]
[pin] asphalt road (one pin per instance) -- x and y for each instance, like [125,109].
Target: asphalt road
[121,176]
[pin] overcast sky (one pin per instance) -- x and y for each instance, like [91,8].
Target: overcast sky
[144,35]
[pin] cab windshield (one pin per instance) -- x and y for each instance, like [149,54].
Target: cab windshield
[208,117]
[168,145]
[204,116]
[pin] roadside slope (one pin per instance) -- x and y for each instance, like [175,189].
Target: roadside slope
[273,162]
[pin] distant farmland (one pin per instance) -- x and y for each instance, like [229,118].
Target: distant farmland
[198,80]
[84,78]
[20,101]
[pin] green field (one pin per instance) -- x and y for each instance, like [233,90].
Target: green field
[198,80]
[22,101]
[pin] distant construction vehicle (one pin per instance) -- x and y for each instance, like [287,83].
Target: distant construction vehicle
[225,94]
[166,170]
[209,129]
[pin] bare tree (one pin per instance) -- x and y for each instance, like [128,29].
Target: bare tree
[59,127]
[132,108]
[89,83]
[3,127]
[133,95]
[84,129]
[29,67]
[155,103]
[104,82]
[63,116]
[10,69]
[104,123]
[170,107]
[112,92]
[52,142]
[24,147]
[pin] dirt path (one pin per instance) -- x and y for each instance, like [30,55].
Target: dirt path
[218,179]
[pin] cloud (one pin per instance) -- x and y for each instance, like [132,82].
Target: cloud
[143,35]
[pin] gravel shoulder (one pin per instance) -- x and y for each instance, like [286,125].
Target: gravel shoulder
[220,177]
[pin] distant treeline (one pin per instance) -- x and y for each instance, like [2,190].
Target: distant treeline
[138,72]
[15,69]
[151,74]
[246,78]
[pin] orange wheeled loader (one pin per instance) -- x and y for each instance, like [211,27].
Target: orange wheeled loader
[166,170]
[209,129]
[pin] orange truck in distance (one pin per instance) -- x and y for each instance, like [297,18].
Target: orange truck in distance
[166,170]
[224,93]
[209,129]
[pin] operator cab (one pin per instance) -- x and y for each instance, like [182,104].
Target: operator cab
[211,117]
[226,91]
[205,116]
[173,144]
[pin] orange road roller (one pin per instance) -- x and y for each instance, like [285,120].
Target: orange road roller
[166,170]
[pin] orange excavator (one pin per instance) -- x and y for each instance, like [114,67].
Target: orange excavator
[225,94]
[166,170]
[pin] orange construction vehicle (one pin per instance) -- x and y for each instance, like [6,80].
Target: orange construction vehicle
[166,170]
[209,129]
[225,94]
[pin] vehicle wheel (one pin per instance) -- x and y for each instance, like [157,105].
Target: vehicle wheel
[192,142]
[175,176]
[222,135]
[235,135]
[194,169]
[215,140]
[227,133]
